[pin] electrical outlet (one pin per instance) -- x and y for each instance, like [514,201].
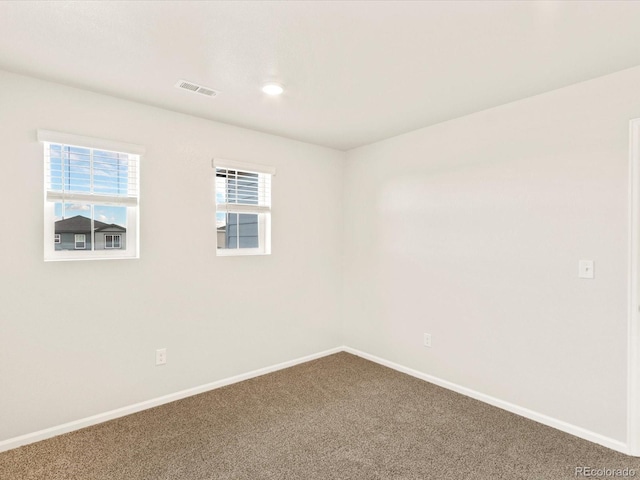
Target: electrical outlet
[427,340]
[585,269]
[161,356]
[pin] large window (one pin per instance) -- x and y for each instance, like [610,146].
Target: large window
[91,197]
[243,208]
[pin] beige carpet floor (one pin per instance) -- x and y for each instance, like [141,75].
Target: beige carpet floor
[339,417]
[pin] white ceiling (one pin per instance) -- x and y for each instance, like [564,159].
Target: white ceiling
[355,72]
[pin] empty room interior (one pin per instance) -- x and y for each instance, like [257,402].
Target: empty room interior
[320,240]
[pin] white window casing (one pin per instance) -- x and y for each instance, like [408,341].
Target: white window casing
[91,174]
[243,190]
[48,136]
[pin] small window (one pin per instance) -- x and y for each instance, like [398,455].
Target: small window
[91,197]
[243,208]
[80,241]
[112,241]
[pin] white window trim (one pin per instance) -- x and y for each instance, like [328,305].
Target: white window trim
[49,136]
[243,166]
[132,247]
[263,211]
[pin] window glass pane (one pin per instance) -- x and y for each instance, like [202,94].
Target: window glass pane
[109,222]
[248,230]
[76,169]
[237,187]
[232,230]
[239,231]
[221,230]
[71,220]
[221,188]
[247,188]
[110,173]
[55,167]
[74,219]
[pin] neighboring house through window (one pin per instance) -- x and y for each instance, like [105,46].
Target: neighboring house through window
[91,197]
[69,230]
[243,208]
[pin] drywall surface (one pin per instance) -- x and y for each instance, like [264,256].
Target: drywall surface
[79,338]
[471,230]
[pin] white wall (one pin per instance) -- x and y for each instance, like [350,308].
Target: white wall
[79,338]
[471,230]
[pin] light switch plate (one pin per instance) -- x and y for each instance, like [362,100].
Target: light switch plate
[586,269]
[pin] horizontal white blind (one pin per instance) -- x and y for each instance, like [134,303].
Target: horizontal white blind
[90,175]
[240,191]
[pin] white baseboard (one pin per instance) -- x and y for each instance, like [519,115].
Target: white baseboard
[510,407]
[137,407]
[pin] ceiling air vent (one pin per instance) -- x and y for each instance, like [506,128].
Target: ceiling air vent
[195,88]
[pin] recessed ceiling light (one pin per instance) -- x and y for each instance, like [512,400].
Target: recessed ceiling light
[272,88]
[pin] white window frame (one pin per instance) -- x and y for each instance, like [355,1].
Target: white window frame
[80,238]
[57,238]
[131,202]
[113,238]
[263,210]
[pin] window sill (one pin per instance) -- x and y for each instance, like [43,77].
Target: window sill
[240,252]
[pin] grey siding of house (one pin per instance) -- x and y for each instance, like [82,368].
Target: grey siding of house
[242,228]
[67,242]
